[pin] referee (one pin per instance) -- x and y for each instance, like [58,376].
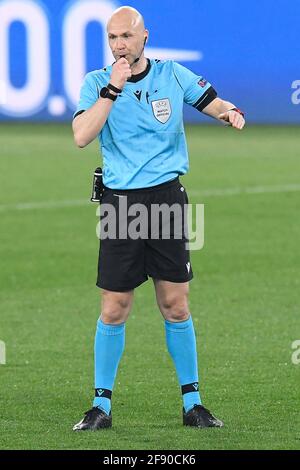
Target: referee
[135,108]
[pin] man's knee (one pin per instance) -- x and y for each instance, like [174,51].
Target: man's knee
[115,306]
[174,307]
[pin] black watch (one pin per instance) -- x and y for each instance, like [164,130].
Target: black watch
[105,93]
[114,88]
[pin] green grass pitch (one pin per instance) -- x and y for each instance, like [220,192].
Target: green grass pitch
[244,297]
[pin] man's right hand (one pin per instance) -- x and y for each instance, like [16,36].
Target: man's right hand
[121,71]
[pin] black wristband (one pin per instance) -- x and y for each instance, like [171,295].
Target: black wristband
[237,110]
[113,88]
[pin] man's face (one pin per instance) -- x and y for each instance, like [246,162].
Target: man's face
[125,39]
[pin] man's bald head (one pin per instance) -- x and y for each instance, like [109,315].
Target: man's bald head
[127,35]
[126,16]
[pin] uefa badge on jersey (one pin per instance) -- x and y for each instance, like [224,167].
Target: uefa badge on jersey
[162,110]
[202,82]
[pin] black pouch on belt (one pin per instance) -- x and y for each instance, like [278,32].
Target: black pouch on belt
[98,187]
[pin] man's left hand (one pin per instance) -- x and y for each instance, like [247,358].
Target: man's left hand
[233,118]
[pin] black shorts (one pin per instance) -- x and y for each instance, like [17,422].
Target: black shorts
[160,252]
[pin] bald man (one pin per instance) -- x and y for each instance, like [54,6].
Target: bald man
[134,107]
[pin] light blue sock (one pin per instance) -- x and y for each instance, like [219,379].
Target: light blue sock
[181,343]
[109,347]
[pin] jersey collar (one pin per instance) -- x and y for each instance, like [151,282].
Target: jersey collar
[141,75]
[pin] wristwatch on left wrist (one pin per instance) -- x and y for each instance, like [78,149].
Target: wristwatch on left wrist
[105,93]
[237,110]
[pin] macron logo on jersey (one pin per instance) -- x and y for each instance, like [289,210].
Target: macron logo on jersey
[138,94]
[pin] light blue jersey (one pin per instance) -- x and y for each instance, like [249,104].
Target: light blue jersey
[143,142]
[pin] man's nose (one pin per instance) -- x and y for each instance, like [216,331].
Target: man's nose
[119,43]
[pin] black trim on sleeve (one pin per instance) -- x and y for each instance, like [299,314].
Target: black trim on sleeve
[79,112]
[205,99]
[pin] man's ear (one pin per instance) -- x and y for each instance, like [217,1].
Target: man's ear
[146,37]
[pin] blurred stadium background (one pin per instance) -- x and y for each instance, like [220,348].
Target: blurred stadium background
[245,295]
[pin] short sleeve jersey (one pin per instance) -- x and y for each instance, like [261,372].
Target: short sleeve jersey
[143,142]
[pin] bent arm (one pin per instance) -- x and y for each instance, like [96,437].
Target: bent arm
[87,125]
[217,107]
[225,111]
